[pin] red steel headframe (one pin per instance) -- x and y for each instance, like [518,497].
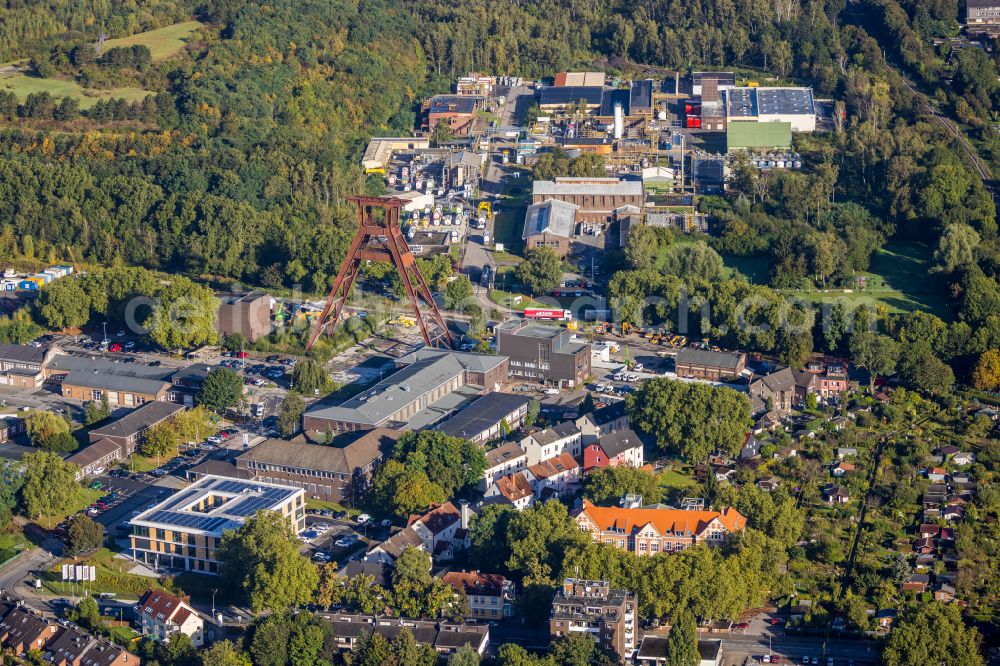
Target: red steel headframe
[382,240]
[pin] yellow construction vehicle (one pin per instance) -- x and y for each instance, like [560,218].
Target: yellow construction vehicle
[626,328]
[485,207]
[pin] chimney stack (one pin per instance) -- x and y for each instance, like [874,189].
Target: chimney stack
[466,513]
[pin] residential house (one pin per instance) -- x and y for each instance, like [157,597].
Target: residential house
[513,489]
[773,392]
[654,530]
[594,607]
[621,447]
[842,468]
[769,483]
[834,494]
[22,631]
[924,546]
[601,421]
[73,647]
[928,531]
[750,448]
[886,617]
[445,637]
[540,445]
[388,551]
[963,458]
[945,593]
[507,459]
[937,474]
[553,477]
[830,380]
[846,452]
[916,583]
[161,615]
[439,528]
[491,596]
[381,573]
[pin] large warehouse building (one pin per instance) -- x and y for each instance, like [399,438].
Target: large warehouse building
[762,105]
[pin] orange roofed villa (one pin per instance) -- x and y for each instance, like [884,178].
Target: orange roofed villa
[651,531]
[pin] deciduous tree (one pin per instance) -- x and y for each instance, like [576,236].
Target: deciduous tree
[50,486]
[221,390]
[261,562]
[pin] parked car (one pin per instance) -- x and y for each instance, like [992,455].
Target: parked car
[115,347]
[363,518]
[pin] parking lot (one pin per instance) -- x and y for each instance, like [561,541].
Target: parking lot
[335,537]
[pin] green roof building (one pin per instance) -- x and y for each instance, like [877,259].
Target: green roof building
[758,136]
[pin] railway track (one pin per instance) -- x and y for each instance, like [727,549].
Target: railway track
[970,152]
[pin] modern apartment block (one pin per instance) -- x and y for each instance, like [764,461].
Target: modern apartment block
[592,607]
[183,531]
[544,354]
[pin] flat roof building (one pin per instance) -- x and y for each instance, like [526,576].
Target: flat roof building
[431,385]
[575,79]
[982,15]
[246,314]
[764,105]
[484,419]
[593,607]
[558,98]
[543,353]
[380,150]
[183,531]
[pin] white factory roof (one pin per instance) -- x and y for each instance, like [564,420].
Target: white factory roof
[550,217]
[571,186]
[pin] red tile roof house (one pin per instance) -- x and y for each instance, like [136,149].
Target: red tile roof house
[490,596]
[928,531]
[554,476]
[916,583]
[162,615]
[937,474]
[512,489]
[651,531]
[622,447]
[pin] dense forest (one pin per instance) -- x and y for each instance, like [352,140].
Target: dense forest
[238,167]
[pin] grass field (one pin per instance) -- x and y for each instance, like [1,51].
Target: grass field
[898,278]
[671,480]
[112,577]
[504,298]
[23,85]
[87,497]
[163,43]
[507,227]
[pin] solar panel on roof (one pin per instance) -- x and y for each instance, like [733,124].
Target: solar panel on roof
[227,486]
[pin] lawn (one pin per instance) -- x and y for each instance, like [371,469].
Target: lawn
[163,42]
[23,85]
[87,497]
[898,278]
[12,543]
[673,480]
[332,506]
[140,463]
[504,298]
[507,227]
[756,267]
[112,577]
